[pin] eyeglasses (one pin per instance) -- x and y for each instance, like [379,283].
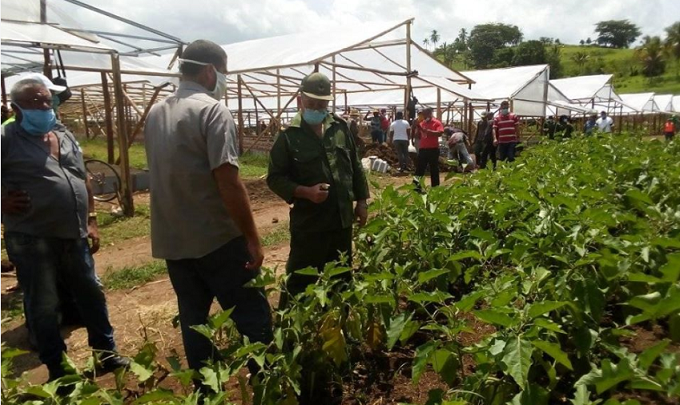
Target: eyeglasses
[35,103]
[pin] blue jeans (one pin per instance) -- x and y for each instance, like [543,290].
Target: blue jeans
[220,274]
[42,264]
[506,151]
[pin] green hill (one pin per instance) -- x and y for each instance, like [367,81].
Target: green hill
[623,64]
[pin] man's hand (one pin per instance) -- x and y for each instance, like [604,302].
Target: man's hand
[495,142]
[361,213]
[256,255]
[317,193]
[16,202]
[93,235]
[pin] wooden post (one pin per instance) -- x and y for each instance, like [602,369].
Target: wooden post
[82,100]
[346,106]
[257,119]
[439,104]
[471,117]
[278,91]
[240,115]
[408,70]
[125,187]
[108,118]
[47,69]
[333,84]
[4,92]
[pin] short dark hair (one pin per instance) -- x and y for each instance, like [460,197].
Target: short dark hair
[400,115]
[428,110]
[202,51]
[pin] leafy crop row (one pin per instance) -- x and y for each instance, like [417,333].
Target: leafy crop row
[566,254]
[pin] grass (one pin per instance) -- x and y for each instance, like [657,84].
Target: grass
[114,229]
[277,236]
[12,305]
[96,149]
[129,277]
[253,165]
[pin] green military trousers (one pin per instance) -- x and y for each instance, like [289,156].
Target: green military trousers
[314,249]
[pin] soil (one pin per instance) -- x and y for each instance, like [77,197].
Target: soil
[388,154]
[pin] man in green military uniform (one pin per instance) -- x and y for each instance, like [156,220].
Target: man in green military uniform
[314,165]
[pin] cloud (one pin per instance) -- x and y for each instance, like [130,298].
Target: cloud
[233,21]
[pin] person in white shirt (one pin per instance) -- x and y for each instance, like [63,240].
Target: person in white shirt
[605,123]
[400,132]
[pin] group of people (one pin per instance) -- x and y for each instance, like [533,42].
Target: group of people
[201,222]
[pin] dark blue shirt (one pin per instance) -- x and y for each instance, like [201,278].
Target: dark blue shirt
[56,186]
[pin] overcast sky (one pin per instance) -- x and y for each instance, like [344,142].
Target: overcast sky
[227,21]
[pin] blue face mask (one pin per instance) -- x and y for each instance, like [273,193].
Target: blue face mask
[37,122]
[314,117]
[505,111]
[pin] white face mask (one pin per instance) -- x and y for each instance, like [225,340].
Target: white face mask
[221,79]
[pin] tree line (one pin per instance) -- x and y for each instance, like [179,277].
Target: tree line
[497,45]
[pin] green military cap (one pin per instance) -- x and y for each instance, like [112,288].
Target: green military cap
[317,85]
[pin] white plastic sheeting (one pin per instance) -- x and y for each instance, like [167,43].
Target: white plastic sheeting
[676,104]
[526,86]
[638,103]
[20,33]
[584,88]
[664,102]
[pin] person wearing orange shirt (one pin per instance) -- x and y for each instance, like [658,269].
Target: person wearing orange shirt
[669,129]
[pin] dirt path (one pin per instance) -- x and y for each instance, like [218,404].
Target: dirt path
[146,312]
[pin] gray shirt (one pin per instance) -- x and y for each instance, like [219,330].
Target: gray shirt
[56,186]
[188,135]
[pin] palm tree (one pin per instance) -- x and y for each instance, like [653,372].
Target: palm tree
[580,58]
[426,43]
[673,44]
[434,38]
[651,54]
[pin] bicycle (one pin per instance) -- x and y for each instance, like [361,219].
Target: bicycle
[104,179]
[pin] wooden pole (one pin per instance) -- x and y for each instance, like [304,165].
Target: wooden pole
[257,119]
[272,122]
[278,91]
[47,70]
[82,101]
[333,84]
[408,70]
[240,115]
[4,92]
[108,119]
[439,104]
[125,187]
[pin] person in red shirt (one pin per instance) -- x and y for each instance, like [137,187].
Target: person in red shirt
[428,155]
[669,129]
[506,132]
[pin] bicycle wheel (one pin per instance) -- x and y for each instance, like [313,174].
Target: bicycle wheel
[104,179]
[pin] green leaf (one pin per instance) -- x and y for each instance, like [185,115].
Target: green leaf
[517,358]
[396,328]
[595,299]
[437,296]
[467,254]
[494,317]
[210,378]
[612,375]
[336,271]
[445,364]
[646,358]
[140,371]
[422,356]
[582,396]
[533,395]
[554,351]
[410,329]
[159,395]
[379,299]
[220,318]
[309,271]
[548,324]
[429,275]
[671,270]
[539,308]
[468,302]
